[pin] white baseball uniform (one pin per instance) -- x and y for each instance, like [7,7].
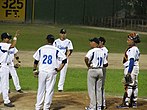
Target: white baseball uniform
[12,69]
[134,53]
[105,50]
[4,71]
[48,57]
[95,76]
[63,45]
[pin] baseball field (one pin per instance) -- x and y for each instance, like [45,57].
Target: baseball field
[75,95]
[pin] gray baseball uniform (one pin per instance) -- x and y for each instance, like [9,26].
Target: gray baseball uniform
[95,76]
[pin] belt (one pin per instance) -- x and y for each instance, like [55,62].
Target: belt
[95,67]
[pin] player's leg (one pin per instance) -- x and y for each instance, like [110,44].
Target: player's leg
[50,83]
[103,88]
[99,90]
[5,84]
[134,75]
[135,86]
[15,78]
[62,78]
[91,79]
[134,98]
[41,90]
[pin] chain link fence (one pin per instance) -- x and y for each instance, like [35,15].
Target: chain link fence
[119,23]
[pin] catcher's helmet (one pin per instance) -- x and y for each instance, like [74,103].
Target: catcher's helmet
[5,35]
[134,37]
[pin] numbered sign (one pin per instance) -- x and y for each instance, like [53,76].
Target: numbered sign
[13,10]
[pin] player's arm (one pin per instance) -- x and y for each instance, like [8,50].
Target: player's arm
[14,39]
[61,65]
[35,71]
[69,52]
[87,62]
[131,65]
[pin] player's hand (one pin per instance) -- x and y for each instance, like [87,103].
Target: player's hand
[36,73]
[17,33]
[57,69]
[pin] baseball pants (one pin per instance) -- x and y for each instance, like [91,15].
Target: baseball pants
[95,77]
[62,77]
[15,78]
[46,84]
[4,83]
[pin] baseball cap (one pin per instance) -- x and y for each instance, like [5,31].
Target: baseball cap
[5,35]
[50,36]
[63,31]
[102,39]
[96,40]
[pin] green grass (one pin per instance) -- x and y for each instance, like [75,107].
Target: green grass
[76,80]
[33,36]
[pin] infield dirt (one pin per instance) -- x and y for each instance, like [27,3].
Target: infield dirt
[70,100]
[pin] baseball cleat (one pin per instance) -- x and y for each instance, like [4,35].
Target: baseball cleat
[60,90]
[104,107]
[134,105]
[20,91]
[89,108]
[122,106]
[9,105]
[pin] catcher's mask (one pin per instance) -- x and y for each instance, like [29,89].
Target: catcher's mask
[134,37]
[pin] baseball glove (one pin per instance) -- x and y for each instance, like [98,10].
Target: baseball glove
[128,79]
[17,65]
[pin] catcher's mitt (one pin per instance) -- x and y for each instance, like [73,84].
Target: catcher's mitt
[128,79]
[17,65]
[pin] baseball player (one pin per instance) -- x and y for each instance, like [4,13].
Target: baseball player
[47,57]
[102,42]
[131,71]
[4,65]
[95,60]
[65,45]
[12,70]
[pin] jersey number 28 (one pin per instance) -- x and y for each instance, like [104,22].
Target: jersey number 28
[47,59]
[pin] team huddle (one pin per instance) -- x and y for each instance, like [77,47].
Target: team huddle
[53,57]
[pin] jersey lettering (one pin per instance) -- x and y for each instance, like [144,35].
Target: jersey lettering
[100,59]
[47,59]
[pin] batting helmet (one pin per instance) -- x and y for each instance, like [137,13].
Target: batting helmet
[134,37]
[5,35]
